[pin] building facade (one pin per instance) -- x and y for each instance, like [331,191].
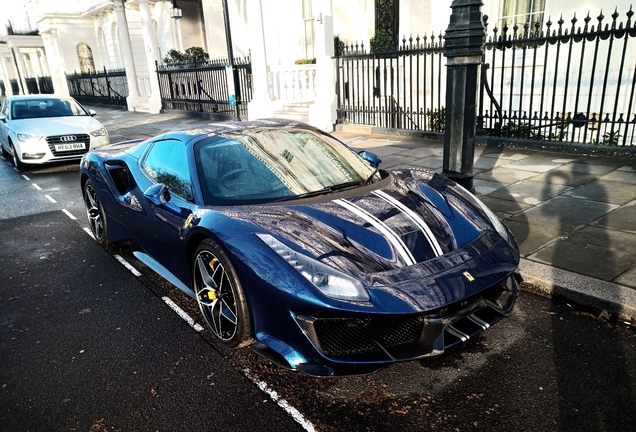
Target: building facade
[54,38]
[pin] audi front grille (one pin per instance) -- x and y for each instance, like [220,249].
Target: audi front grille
[79,138]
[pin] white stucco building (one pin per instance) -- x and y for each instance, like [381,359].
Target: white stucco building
[89,35]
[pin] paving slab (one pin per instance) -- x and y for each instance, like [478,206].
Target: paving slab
[628,278]
[564,178]
[484,187]
[563,213]
[504,175]
[423,151]
[538,163]
[504,206]
[488,163]
[591,251]
[623,218]
[529,192]
[394,160]
[432,162]
[605,191]
[511,154]
[622,176]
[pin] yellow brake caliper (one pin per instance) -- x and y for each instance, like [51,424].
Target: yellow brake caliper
[211,292]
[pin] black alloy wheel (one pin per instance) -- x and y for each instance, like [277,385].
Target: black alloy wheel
[220,296]
[95,213]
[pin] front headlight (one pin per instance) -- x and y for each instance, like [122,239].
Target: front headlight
[326,279]
[28,137]
[99,132]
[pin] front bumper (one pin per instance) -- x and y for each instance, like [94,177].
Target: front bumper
[47,150]
[365,345]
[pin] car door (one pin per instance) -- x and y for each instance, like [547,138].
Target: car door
[159,229]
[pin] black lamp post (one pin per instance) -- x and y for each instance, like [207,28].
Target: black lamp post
[230,57]
[465,38]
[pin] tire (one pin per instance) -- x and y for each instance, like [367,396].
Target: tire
[95,214]
[220,296]
[5,153]
[19,165]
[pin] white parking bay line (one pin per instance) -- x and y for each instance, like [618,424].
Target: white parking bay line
[89,232]
[187,318]
[36,186]
[296,415]
[68,213]
[25,177]
[50,199]
[127,265]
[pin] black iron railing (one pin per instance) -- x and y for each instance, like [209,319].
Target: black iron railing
[202,86]
[401,89]
[562,82]
[45,84]
[107,87]
[551,82]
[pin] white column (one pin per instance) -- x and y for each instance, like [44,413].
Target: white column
[55,62]
[322,114]
[261,105]
[5,76]
[150,42]
[134,99]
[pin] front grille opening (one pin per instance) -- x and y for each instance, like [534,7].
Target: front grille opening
[344,336]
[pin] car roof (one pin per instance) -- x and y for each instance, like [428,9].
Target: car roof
[215,129]
[37,96]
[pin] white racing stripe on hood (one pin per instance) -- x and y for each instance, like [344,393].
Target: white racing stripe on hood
[415,218]
[392,237]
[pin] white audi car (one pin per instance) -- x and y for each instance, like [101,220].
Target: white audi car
[38,129]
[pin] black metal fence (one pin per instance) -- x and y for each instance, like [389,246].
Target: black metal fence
[203,87]
[563,82]
[556,83]
[401,89]
[107,87]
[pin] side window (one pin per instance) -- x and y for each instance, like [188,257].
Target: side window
[167,163]
[5,109]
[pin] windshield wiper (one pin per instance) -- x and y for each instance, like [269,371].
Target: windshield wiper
[323,191]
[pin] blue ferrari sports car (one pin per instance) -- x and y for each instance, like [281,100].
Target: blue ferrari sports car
[299,247]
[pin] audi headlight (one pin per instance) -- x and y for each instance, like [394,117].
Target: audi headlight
[28,137]
[99,132]
[327,280]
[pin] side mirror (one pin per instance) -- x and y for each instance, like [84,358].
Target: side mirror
[3,118]
[92,112]
[158,194]
[373,159]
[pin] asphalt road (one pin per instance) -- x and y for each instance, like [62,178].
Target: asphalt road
[86,345]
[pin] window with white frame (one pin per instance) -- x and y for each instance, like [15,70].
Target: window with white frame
[520,12]
[308,29]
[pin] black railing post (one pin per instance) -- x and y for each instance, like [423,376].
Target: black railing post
[464,37]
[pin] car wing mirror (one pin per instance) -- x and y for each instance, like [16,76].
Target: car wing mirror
[3,118]
[371,158]
[158,194]
[92,112]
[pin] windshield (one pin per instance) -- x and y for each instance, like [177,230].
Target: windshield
[268,165]
[45,107]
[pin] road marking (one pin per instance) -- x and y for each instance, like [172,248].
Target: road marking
[296,415]
[127,265]
[187,318]
[68,213]
[50,199]
[36,186]
[25,177]
[89,232]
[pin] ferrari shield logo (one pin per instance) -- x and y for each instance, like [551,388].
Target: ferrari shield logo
[469,276]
